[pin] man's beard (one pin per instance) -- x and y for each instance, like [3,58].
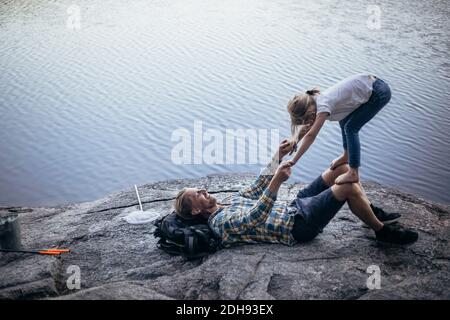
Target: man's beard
[212,203]
[208,210]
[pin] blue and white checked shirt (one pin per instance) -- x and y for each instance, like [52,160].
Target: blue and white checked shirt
[254,216]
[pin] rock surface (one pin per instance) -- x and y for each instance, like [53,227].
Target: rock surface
[118,260]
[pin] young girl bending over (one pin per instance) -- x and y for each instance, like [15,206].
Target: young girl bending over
[353,102]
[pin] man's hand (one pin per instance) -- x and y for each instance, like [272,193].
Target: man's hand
[293,147]
[282,174]
[284,148]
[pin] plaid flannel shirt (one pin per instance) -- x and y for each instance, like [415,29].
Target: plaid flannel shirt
[254,215]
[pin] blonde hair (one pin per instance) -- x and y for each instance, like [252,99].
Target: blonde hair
[297,108]
[183,206]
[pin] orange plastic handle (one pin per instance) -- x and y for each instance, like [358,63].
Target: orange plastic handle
[52,253]
[57,250]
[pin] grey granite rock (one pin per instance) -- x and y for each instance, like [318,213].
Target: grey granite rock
[118,260]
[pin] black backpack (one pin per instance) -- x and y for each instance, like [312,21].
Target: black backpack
[189,238]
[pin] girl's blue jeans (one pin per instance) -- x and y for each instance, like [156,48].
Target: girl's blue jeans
[350,125]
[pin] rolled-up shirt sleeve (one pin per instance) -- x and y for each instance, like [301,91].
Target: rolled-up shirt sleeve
[256,189]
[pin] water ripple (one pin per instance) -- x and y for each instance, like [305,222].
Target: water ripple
[96,107]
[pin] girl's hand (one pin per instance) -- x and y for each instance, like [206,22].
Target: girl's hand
[291,163]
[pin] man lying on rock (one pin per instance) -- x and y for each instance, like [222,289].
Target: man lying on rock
[254,215]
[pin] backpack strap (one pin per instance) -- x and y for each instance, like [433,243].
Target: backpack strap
[190,241]
[169,247]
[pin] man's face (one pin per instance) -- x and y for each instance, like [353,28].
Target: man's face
[201,200]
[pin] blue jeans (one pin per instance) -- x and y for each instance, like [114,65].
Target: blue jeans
[351,124]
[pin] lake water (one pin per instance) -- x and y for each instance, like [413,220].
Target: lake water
[91,110]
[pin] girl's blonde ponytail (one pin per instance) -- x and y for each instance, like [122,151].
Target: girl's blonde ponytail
[297,108]
[313,91]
